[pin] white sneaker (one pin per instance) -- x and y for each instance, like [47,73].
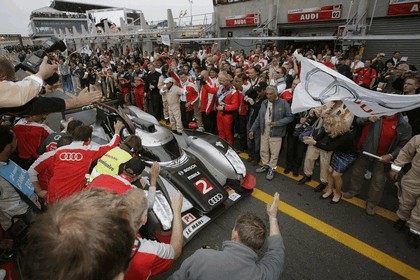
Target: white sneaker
[368,175]
[201,129]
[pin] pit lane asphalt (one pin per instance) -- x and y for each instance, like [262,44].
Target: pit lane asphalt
[323,241]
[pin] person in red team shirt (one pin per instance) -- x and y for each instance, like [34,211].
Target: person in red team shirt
[31,133]
[227,103]
[366,76]
[208,100]
[70,163]
[189,96]
[148,257]
[138,89]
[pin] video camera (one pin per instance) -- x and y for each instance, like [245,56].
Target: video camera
[32,62]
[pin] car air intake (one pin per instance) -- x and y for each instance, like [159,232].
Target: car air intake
[145,125]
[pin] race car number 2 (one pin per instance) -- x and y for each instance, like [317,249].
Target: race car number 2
[203,186]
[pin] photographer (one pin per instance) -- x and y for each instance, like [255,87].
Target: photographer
[31,86]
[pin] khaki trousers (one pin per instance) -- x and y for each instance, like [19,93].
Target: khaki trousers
[175,117]
[165,106]
[409,208]
[312,154]
[270,149]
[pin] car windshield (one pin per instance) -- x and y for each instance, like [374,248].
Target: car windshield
[163,153]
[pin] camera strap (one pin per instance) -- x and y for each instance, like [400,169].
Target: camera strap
[20,181]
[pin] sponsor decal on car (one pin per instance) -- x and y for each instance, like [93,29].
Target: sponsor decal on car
[215,199]
[196,225]
[234,196]
[192,176]
[187,169]
[188,218]
[203,186]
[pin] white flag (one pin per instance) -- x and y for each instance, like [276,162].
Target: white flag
[166,40]
[320,84]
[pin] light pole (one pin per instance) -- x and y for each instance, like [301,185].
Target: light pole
[191,2]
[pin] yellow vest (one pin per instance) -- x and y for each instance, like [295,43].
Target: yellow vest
[110,162]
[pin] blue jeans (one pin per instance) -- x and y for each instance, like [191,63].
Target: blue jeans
[67,84]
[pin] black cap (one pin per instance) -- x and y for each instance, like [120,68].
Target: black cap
[134,167]
[261,85]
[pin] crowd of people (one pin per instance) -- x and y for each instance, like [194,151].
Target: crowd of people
[243,98]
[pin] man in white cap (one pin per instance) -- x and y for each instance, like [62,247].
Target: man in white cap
[173,96]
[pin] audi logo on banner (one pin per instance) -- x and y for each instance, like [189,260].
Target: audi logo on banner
[66,156]
[215,199]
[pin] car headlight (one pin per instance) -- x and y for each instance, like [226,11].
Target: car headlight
[236,161]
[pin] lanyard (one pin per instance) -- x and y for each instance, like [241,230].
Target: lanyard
[18,177]
[221,95]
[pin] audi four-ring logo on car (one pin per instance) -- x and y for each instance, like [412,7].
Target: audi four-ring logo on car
[71,156]
[215,199]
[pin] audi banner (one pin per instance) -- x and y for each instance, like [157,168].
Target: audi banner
[403,7]
[243,20]
[332,12]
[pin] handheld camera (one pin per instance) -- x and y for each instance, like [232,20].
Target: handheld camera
[32,62]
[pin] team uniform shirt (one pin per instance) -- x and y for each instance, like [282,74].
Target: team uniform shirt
[110,162]
[262,62]
[365,76]
[287,95]
[357,65]
[70,165]
[329,64]
[190,94]
[30,135]
[50,143]
[243,108]
[245,87]
[208,99]
[115,183]
[42,172]
[151,258]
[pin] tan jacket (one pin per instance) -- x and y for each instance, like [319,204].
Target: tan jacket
[173,95]
[410,153]
[15,94]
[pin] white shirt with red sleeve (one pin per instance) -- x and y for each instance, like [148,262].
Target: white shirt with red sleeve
[191,94]
[151,258]
[208,99]
[70,164]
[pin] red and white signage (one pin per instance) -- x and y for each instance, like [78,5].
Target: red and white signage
[203,186]
[332,12]
[403,7]
[188,218]
[243,20]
